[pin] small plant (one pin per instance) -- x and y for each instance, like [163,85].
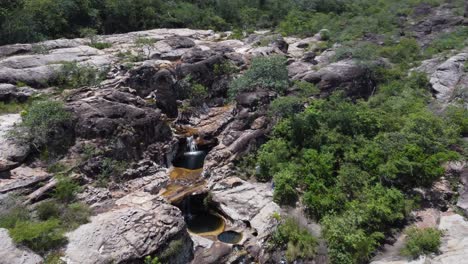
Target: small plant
[74,215]
[48,209]
[421,241]
[152,260]
[39,49]
[197,94]
[225,68]
[54,258]
[73,75]
[65,189]
[306,89]
[266,72]
[297,241]
[145,45]
[172,249]
[101,45]
[11,212]
[41,122]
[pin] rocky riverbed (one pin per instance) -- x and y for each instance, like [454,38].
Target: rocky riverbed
[136,114]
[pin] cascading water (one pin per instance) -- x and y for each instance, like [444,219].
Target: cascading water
[191,144]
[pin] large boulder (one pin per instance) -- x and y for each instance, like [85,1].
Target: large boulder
[353,78]
[12,152]
[447,76]
[11,254]
[109,113]
[141,225]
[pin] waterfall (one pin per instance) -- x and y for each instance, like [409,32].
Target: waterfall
[192,145]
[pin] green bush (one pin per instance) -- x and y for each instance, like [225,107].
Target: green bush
[74,215]
[43,121]
[421,241]
[407,50]
[455,40]
[38,236]
[73,75]
[48,209]
[286,106]
[297,241]
[65,189]
[101,45]
[173,249]
[265,72]
[11,212]
[198,94]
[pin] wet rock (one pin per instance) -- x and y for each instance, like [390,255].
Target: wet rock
[141,225]
[11,254]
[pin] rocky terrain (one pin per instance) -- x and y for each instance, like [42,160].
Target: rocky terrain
[136,114]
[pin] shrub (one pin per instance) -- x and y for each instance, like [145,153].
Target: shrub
[198,93]
[151,260]
[361,51]
[407,50]
[172,249]
[421,241]
[38,236]
[43,121]
[74,75]
[48,209]
[10,107]
[286,106]
[306,89]
[265,72]
[11,212]
[271,157]
[74,215]
[65,189]
[101,45]
[454,40]
[299,243]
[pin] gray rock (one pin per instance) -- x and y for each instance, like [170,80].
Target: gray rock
[141,225]
[244,201]
[11,254]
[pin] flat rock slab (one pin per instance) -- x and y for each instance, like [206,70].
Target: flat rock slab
[10,254]
[140,225]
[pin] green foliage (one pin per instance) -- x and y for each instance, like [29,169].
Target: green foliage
[43,121]
[151,260]
[74,215]
[111,169]
[73,75]
[421,241]
[407,50]
[265,72]
[349,162]
[286,106]
[172,249]
[297,241]
[198,94]
[11,212]
[48,209]
[101,45]
[225,68]
[145,45]
[448,41]
[54,258]
[65,189]
[10,107]
[38,236]
[361,51]
[306,89]
[459,116]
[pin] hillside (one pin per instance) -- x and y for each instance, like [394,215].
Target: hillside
[279,132]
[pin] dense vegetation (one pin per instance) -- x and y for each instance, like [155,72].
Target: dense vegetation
[33,20]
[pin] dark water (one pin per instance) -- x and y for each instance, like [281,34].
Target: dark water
[204,222]
[191,160]
[230,237]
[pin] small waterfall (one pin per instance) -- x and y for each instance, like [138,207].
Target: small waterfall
[192,145]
